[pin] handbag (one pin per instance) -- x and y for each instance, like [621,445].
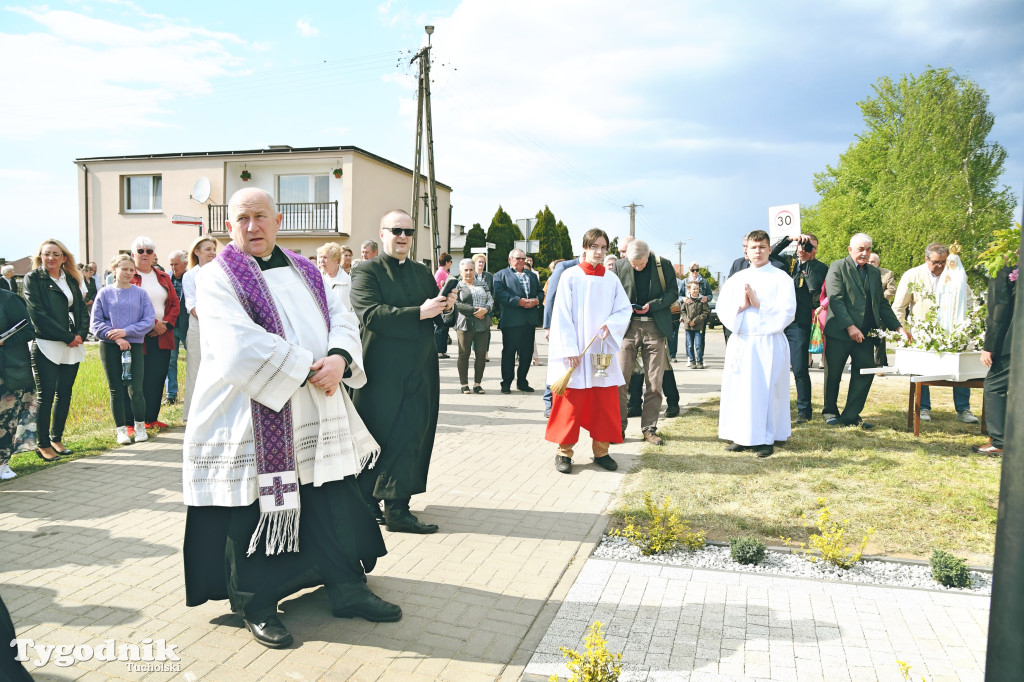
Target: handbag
[817,345]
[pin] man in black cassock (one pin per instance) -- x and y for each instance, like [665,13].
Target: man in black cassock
[396,300]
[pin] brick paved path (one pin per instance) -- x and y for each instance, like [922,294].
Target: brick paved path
[91,551]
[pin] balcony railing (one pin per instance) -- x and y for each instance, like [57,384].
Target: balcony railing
[299,218]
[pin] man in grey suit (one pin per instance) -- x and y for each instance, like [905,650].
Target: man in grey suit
[856,306]
[7,279]
[518,290]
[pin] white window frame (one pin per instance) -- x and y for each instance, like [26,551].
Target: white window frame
[152,208]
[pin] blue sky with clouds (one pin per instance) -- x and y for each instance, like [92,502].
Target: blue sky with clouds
[704,113]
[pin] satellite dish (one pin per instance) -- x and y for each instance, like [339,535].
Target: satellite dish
[201,190]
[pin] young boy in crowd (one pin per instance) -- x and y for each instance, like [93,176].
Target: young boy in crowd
[694,319]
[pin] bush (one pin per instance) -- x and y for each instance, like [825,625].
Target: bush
[596,664]
[662,531]
[949,570]
[830,540]
[747,551]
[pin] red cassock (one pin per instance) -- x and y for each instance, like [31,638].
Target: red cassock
[594,409]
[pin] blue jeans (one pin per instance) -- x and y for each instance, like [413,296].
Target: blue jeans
[799,345]
[694,345]
[172,370]
[961,398]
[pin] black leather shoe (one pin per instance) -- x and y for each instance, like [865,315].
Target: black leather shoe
[404,522]
[505,389]
[764,451]
[525,388]
[65,451]
[802,419]
[672,411]
[563,464]
[606,462]
[43,457]
[368,606]
[735,447]
[833,421]
[270,632]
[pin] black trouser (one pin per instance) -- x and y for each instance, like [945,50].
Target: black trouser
[997,383]
[668,388]
[157,360]
[110,358]
[516,341]
[53,394]
[440,335]
[862,355]
[327,530]
[799,338]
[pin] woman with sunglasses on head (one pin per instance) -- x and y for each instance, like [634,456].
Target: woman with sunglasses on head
[57,311]
[202,252]
[122,315]
[159,342]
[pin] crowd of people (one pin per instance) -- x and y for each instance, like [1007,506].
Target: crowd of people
[311,397]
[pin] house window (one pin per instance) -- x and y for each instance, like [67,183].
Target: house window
[301,189]
[143,193]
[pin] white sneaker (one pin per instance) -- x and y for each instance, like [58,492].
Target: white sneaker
[6,473]
[122,436]
[926,415]
[140,432]
[967,417]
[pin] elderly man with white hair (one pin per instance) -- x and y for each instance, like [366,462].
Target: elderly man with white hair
[856,306]
[179,263]
[7,279]
[650,284]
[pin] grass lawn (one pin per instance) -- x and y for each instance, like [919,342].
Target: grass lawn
[918,493]
[90,427]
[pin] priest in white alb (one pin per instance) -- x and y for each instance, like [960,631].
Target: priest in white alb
[588,305]
[757,304]
[273,447]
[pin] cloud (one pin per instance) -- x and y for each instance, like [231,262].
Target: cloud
[305,30]
[93,74]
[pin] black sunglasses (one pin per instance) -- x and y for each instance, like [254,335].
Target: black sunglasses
[148,252]
[409,231]
[694,270]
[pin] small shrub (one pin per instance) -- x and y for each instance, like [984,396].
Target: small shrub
[830,540]
[747,551]
[662,531]
[596,663]
[949,570]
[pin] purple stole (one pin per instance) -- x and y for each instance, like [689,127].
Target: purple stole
[276,473]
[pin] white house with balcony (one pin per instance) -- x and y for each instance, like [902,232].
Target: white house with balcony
[325,194]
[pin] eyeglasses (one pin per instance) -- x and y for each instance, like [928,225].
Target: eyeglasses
[938,262]
[694,270]
[408,231]
[148,252]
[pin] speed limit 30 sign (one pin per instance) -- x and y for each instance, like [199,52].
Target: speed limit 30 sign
[783,221]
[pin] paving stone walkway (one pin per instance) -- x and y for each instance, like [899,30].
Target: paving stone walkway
[91,551]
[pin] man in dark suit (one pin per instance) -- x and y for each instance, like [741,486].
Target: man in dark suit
[856,306]
[518,291]
[1002,293]
[7,279]
[808,275]
[650,283]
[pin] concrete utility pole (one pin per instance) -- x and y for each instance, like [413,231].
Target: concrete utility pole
[423,113]
[632,217]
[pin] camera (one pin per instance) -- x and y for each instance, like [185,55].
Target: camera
[806,247]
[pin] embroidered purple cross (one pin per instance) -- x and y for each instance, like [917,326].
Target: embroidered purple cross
[278,490]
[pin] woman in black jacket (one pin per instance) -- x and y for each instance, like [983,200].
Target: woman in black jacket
[55,307]
[17,400]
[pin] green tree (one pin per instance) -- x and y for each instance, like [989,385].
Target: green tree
[922,170]
[502,233]
[563,232]
[476,238]
[546,232]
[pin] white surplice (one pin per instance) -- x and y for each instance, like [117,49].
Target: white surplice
[755,380]
[583,303]
[241,360]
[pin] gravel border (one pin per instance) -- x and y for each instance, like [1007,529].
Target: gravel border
[875,571]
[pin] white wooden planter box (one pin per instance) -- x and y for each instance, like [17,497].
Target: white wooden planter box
[931,363]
